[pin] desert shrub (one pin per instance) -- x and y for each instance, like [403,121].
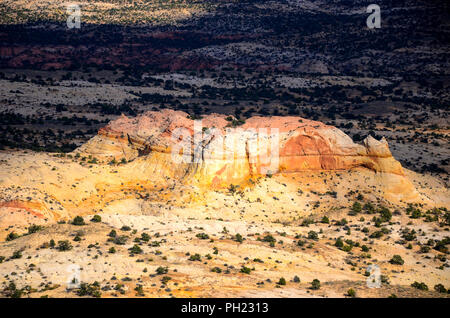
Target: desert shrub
[397,260]
[269,238]
[325,220]
[145,237]
[165,279]
[113,233]
[377,221]
[440,288]
[125,228]
[216,270]
[155,244]
[16,255]
[351,293]
[347,248]
[296,279]
[34,228]
[238,238]
[119,288]
[246,270]
[332,194]
[232,188]
[315,284]
[376,234]
[356,208]
[385,214]
[139,290]
[162,270]
[282,281]
[441,245]
[64,246]
[420,286]
[385,230]
[89,290]
[195,257]
[446,218]
[135,249]
[306,222]
[112,250]
[413,212]
[202,236]
[339,243]
[120,240]
[369,208]
[408,235]
[78,220]
[96,218]
[93,161]
[313,235]
[12,291]
[12,236]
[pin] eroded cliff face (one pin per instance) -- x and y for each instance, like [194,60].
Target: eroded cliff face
[173,163]
[212,152]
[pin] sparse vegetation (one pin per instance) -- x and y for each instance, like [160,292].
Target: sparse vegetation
[64,246]
[315,284]
[202,236]
[162,270]
[96,218]
[397,260]
[351,293]
[282,281]
[135,249]
[420,286]
[246,270]
[78,220]
[331,205]
[92,290]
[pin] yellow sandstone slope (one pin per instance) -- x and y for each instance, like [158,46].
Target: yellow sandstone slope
[313,158]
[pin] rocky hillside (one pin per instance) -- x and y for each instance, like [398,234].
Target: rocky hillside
[224,148]
[220,150]
[148,160]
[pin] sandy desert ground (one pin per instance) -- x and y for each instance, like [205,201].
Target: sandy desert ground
[193,234]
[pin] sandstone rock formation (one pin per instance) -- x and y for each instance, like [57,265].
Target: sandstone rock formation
[216,152]
[308,159]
